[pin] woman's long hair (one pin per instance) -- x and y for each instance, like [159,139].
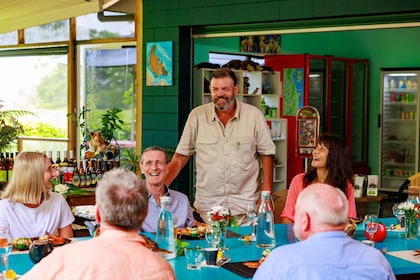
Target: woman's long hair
[27,183]
[338,163]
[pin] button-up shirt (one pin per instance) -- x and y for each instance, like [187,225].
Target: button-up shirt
[325,255]
[180,210]
[115,254]
[227,157]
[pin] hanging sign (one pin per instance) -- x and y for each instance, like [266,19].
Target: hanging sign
[307,130]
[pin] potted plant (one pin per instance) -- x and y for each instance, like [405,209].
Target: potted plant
[10,126]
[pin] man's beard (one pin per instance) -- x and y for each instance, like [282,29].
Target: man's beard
[227,105]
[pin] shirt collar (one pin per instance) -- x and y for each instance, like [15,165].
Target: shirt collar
[166,191]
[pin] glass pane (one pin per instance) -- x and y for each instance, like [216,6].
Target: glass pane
[359,112]
[50,32]
[10,38]
[317,89]
[37,84]
[109,83]
[338,105]
[89,27]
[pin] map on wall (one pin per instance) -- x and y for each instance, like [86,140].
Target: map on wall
[293,91]
[159,63]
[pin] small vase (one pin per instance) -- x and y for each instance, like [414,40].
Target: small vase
[411,225]
[222,238]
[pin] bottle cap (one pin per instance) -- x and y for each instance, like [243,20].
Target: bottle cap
[265,193]
[165,200]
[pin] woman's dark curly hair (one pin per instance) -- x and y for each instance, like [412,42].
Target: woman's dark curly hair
[338,163]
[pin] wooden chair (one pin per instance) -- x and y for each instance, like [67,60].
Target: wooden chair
[400,196]
[279,201]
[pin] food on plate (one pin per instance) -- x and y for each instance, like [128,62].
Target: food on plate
[198,231]
[22,243]
[351,226]
[256,264]
[152,245]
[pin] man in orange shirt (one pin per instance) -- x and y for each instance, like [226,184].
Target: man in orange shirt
[119,252]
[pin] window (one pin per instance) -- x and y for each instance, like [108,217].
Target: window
[107,81]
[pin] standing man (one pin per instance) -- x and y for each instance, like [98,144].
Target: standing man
[154,168]
[229,139]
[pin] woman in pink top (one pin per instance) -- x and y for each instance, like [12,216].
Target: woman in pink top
[331,164]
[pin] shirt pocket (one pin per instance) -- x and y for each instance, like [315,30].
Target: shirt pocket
[206,148]
[245,151]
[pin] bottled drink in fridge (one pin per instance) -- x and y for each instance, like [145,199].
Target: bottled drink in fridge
[165,229]
[266,237]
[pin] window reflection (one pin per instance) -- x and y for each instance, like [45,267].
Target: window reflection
[51,32]
[89,27]
[10,38]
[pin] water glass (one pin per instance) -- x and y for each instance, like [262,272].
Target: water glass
[251,212]
[193,257]
[213,236]
[399,214]
[371,224]
[5,249]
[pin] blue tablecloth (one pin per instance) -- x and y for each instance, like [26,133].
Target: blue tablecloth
[240,251]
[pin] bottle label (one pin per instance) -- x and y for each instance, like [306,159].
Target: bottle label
[76,181]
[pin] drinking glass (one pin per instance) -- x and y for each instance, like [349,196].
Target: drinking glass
[213,235]
[251,212]
[193,257]
[371,223]
[5,249]
[399,214]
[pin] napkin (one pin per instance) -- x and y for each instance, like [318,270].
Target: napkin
[407,255]
[240,269]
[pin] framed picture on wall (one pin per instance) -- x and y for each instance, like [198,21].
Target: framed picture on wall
[159,63]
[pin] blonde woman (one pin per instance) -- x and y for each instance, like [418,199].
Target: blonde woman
[28,207]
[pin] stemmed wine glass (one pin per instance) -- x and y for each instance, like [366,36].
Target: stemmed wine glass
[371,223]
[399,214]
[213,235]
[251,212]
[5,249]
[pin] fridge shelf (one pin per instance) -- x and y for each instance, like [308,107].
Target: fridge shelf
[401,90]
[401,121]
[395,103]
[399,142]
[398,164]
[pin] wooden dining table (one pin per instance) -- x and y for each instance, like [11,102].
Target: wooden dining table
[241,251]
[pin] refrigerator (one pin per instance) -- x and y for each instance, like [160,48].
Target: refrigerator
[399,127]
[337,88]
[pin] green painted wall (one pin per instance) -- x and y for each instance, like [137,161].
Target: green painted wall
[163,19]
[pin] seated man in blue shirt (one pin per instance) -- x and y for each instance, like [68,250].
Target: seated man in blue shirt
[154,167]
[325,251]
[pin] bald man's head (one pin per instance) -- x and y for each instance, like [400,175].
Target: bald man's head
[320,207]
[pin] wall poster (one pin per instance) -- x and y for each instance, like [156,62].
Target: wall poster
[159,60]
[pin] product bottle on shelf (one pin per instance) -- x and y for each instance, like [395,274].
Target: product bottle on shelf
[82,175]
[76,178]
[266,237]
[165,229]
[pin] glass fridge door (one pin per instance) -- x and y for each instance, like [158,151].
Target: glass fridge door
[400,128]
